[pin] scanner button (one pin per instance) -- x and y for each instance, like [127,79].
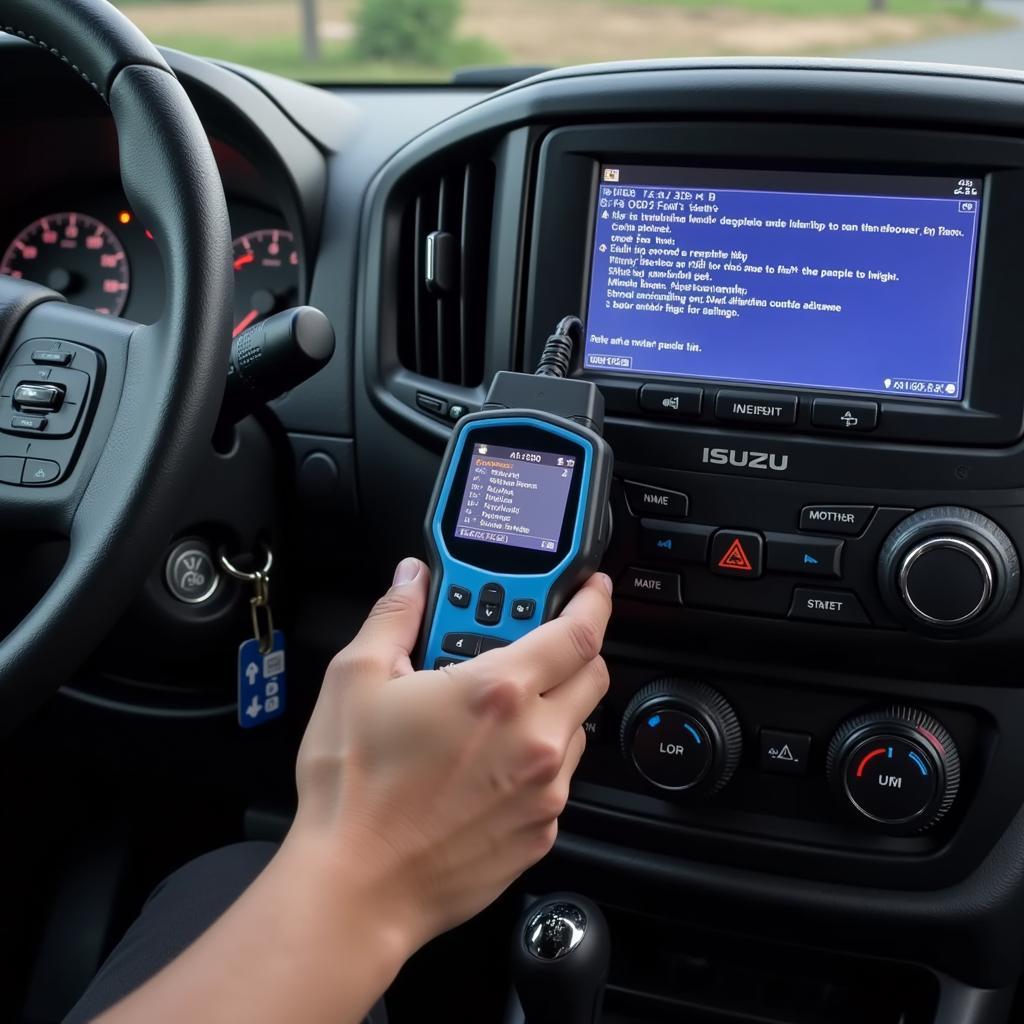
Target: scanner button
[466,644]
[523,608]
[491,643]
[459,596]
[490,603]
[444,662]
[488,614]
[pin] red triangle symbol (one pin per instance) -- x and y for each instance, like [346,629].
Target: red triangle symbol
[736,558]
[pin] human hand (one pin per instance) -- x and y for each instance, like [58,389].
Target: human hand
[434,790]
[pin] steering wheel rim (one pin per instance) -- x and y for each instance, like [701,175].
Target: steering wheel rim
[157,400]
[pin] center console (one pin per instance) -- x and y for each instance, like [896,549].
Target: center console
[800,286]
[806,337]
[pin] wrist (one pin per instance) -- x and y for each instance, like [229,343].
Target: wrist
[355,899]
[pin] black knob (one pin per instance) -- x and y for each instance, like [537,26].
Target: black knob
[274,355]
[898,769]
[560,953]
[949,571]
[682,736]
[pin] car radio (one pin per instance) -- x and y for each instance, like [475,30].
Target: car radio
[807,359]
[807,341]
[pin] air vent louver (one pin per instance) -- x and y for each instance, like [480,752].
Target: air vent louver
[443,267]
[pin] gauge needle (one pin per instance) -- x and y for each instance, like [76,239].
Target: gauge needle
[243,259]
[244,322]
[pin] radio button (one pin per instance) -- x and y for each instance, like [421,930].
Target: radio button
[645,500]
[846,519]
[670,401]
[737,553]
[837,607]
[804,556]
[758,408]
[835,414]
[674,542]
[651,585]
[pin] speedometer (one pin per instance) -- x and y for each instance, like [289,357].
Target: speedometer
[266,275]
[73,254]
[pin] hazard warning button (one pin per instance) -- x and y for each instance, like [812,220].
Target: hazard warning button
[737,553]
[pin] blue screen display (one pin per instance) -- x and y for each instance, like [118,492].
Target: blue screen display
[835,282]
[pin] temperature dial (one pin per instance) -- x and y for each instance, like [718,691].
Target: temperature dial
[898,769]
[681,736]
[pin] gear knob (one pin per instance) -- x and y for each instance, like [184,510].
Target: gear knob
[560,955]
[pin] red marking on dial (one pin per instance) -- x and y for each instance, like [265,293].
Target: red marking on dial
[867,757]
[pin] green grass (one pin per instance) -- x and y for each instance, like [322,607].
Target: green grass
[825,8]
[283,56]
[819,8]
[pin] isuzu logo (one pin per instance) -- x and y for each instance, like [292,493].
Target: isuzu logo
[745,460]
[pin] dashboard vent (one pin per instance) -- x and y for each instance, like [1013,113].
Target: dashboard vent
[444,259]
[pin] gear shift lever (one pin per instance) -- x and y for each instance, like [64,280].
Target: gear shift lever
[560,957]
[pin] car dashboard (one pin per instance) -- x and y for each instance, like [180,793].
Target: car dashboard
[816,521]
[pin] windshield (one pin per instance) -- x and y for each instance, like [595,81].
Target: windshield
[429,40]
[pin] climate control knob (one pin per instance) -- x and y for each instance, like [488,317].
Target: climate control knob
[682,736]
[949,570]
[898,769]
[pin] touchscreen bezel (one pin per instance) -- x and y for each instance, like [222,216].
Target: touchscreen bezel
[991,410]
[510,559]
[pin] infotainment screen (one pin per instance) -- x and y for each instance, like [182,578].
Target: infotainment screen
[830,281]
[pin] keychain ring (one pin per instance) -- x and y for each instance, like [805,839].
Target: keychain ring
[248,577]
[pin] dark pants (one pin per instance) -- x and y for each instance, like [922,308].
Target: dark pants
[179,910]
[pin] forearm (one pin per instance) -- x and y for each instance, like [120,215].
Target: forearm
[309,941]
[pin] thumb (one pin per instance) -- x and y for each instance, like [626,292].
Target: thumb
[393,625]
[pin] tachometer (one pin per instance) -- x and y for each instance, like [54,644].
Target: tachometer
[266,275]
[73,254]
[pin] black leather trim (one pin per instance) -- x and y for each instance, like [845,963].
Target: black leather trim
[91,36]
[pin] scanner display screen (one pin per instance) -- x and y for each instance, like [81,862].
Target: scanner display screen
[515,497]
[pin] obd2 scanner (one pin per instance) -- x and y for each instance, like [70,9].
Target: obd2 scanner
[520,517]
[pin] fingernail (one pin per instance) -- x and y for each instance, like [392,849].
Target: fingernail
[408,569]
[606,580]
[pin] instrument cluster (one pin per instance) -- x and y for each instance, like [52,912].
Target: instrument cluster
[96,252]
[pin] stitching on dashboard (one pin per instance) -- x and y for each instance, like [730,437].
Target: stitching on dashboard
[11,30]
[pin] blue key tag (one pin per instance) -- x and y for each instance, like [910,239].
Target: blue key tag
[261,668]
[261,682]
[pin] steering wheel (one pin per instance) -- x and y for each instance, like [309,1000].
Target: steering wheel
[143,408]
